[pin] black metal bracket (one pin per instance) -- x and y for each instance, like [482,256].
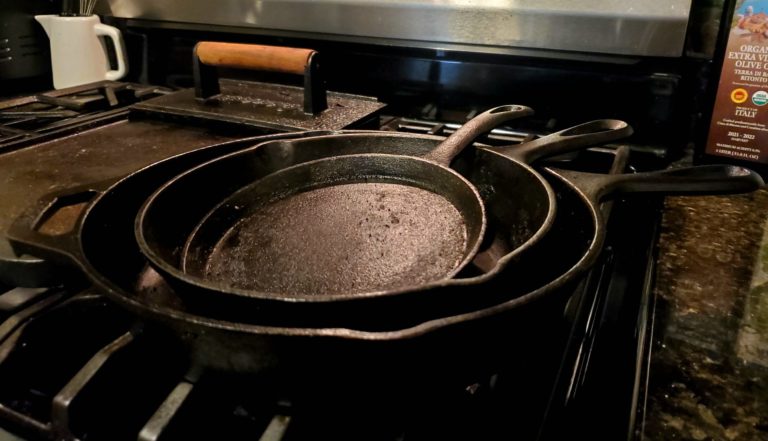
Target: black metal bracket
[315,97]
[315,100]
[206,78]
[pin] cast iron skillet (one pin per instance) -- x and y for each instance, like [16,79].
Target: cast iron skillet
[104,248]
[417,347]
[260,254]
[325,227]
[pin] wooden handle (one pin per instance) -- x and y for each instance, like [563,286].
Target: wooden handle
[254,57]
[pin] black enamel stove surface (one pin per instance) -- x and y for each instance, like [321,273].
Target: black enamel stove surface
[75,366]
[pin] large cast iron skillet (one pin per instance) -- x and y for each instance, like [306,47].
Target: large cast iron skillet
[104,248]
[410,348]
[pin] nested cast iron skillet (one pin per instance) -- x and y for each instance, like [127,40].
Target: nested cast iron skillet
[353,223]
[258,255]
[421,342]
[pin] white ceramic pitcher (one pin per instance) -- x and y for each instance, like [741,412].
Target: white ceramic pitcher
[77,54]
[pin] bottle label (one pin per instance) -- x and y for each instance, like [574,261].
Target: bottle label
[739,126]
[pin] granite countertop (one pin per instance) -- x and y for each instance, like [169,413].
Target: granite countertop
[708,377]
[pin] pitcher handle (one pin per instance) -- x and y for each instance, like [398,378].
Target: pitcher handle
[112,33]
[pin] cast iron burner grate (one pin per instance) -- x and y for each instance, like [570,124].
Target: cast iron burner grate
[75,366]
[35,118]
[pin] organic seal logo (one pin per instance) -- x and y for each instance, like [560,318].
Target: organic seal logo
[739,95]
[760,98]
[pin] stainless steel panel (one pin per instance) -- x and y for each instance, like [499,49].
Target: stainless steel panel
[626,27]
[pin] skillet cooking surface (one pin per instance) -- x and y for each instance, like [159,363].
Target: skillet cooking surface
[392,235]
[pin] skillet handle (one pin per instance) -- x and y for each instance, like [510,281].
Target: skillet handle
[254,56]
[700,180]
[50,228]
[592,133]
[444,153]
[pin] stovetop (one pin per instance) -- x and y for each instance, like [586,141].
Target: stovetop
[36,118]
[75,366]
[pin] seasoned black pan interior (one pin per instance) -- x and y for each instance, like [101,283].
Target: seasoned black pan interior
[374,234]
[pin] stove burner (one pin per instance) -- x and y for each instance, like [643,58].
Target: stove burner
[29,119]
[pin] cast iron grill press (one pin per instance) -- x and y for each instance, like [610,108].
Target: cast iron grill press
[265,105]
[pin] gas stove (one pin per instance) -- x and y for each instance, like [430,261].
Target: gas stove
[73,365]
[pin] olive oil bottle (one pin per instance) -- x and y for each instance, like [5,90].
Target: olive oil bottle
[737,130]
